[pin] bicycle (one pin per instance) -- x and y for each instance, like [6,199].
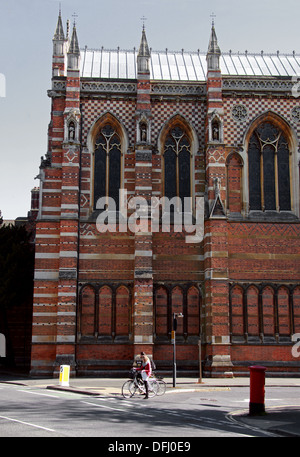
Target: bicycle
[162,386]
[136,385]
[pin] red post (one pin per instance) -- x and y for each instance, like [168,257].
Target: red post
[257,390]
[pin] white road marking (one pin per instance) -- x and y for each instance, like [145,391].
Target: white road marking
[38,393]
[247,400]
[27,423]
[102,406]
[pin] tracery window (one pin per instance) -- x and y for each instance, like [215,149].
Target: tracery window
[177,164]
[107,171]
[269,169]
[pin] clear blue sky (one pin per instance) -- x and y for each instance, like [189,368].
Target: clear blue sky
[26,32]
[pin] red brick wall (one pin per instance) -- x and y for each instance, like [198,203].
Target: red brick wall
[264,263]
[118,274]
[262,251]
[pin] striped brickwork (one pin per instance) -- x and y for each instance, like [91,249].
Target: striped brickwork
[103,294]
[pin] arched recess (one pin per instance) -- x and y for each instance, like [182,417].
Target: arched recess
[177,300]
[284,312]
[237,313]
[178,145]
[123,327]
[105,312]
[268,312]
[107,142]
[87,311]
[193,311]
[162,312]
[264,182]
[234,172]
[296,309]
[253,312]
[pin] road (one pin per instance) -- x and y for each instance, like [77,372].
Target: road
[39,412]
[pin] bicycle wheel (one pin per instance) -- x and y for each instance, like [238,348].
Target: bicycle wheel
[153,387]
[128,389]
[140,387]
[162,386]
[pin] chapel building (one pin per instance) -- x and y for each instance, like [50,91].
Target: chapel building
[170,186]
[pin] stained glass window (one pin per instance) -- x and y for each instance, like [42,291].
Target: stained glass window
[177,164]
[107,173]
[269,171]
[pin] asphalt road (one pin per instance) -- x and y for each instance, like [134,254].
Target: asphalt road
[38,412]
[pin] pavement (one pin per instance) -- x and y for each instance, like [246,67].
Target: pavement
[281,421]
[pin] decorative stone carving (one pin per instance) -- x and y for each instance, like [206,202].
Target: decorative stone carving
[143,131]
[71,132]
[295,114]
[143,127]
[59,85]
[239,113]
[217,187]
[257,85]
[215,126]
[144,156]
[215,131]
[116,87]
[68,274]
[178,89]
[72,117]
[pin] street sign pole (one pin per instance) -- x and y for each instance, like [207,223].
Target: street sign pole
[200,362]
[173,340]
[174,325]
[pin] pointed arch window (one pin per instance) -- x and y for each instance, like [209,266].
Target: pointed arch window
[107,168]
[177,164]
[269,169]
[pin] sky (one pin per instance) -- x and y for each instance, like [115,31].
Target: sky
[26,31]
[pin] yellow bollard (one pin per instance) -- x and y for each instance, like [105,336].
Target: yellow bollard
[64,375]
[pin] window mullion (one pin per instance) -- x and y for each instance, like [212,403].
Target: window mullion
[292,206]
[107,175]
[262,193]
[177,177]
[276,180]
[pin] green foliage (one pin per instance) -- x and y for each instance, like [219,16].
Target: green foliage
[16,266]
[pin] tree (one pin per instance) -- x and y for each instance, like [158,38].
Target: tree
[16,275]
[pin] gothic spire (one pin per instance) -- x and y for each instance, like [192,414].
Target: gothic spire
[59,49]
[144,53]
[144,49]
[74,47]
[59,32]
[213,53]
[73,51]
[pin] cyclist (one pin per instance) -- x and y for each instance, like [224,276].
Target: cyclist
[146,371]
